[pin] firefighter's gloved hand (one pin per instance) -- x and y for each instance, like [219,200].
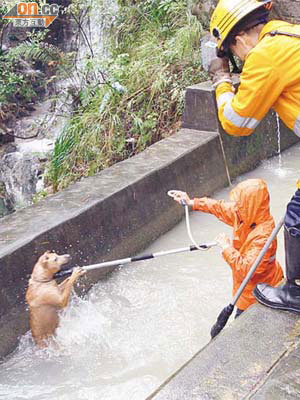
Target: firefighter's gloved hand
[223,241]
[219,71]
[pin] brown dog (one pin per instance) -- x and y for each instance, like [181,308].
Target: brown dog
[45,297]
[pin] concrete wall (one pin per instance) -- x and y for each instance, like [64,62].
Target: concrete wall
[121,210]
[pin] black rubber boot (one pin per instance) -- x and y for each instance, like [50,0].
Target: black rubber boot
[287,295]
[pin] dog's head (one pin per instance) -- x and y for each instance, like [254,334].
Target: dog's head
[52,262]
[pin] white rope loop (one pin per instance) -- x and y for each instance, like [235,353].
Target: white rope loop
[173,194]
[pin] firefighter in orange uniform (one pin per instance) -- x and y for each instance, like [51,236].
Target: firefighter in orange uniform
[248,212]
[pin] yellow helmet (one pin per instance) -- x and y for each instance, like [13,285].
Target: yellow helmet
[229,13]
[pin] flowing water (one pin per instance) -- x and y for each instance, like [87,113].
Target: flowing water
[134,329]
[278,139]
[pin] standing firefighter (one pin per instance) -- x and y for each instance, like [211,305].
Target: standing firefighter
[248,212]
[270,79]
[287,296]
[271,71]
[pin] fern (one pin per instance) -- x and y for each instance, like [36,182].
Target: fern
[31,51]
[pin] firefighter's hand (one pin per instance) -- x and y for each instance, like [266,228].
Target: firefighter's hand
[223,241]
[219,70]
[182,198]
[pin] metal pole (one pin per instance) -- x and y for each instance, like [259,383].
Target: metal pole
[123,261]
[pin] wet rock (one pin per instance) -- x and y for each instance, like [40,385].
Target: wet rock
[3,128]
[203,10]
[12,36]
[287,10]
[3,209]
[10,148]
[19,173]
[7,138]
[6,207]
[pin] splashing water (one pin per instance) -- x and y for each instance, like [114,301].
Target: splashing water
[128,334]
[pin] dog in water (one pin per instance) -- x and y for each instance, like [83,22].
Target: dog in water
[45,297]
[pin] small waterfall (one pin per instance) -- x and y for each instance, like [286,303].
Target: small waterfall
[22,180]
[93,42]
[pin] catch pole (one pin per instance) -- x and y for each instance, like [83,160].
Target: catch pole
[123,261]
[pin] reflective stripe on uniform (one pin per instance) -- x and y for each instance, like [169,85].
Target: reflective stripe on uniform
[224,98]
[237,120]
[297,127]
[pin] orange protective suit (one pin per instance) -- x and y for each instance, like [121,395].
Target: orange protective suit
[249,215]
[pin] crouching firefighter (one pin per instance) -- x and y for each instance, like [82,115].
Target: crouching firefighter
[270,77]
[248,212]
[287,295]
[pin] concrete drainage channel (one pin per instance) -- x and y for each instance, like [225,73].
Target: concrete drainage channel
[121,210]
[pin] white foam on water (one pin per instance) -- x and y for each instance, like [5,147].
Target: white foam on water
[38,146]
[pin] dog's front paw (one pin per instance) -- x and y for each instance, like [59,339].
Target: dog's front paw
[77,273]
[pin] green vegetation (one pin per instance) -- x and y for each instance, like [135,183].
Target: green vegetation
[23,69]
[19,83]
[121,104]
[154,57]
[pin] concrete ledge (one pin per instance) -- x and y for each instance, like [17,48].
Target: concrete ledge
[243,361]
[200,108]
[242,153]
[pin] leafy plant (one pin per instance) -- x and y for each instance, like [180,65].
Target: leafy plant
[154,56]
[20,82]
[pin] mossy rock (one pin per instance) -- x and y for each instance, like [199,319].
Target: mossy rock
[287,10]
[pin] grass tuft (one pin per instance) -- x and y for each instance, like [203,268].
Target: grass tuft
[155,55]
